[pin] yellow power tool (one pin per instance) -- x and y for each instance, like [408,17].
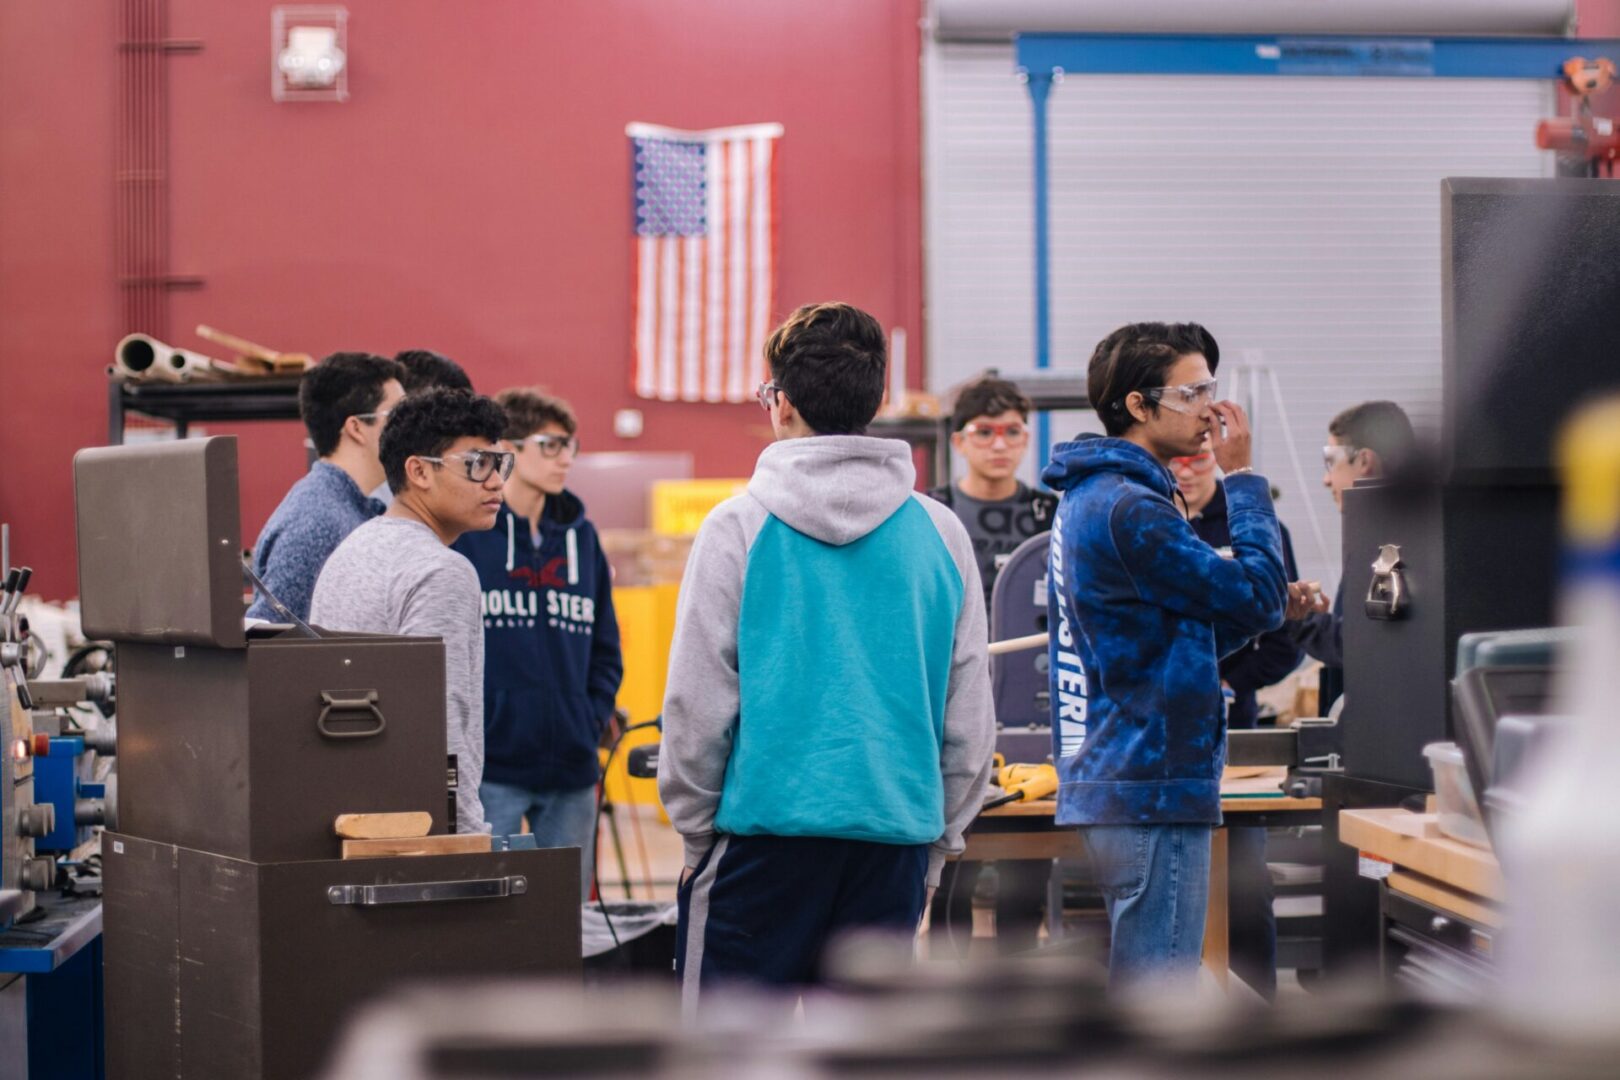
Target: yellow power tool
[1023,783]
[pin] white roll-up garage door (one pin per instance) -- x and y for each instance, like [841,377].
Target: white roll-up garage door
[1298,218]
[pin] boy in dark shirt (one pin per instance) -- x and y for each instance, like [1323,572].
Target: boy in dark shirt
[991,434]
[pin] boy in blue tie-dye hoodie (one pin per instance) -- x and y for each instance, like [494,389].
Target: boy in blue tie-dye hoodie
[1142,611]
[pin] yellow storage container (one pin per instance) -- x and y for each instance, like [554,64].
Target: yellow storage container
[679,506]
[646,628]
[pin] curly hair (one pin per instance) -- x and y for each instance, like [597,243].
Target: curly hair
[427,423]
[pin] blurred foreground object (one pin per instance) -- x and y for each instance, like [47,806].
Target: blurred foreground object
[1561,855]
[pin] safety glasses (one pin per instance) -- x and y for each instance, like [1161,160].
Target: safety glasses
[368,417]
[479,464]
[1189,399]
[766,394]
[1196,463]
[1334,456]
[979,433]
[552,445]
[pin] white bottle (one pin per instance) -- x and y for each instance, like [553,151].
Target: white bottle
[1560,949]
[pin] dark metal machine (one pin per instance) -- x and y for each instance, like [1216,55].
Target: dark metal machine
[1530,284]
[236,939]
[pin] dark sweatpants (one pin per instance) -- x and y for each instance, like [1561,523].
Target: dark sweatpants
[762,909]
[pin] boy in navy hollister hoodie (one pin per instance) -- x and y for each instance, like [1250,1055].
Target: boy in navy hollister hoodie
[551,641]
[1142,611]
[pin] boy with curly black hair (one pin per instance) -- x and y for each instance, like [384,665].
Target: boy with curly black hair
[396,573]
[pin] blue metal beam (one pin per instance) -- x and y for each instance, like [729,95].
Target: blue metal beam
[1195,54]
[1040,88]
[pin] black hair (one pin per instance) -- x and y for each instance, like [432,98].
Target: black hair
[426,424]
[830,360]
[345,384]
[988,396]
[425,369]
[1380,426]
[1137,357]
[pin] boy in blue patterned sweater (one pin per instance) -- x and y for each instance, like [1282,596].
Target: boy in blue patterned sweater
[1142,611]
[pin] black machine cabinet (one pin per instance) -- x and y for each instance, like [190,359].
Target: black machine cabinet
[251,753]
[216,967]
[1529,289]
[1472,558]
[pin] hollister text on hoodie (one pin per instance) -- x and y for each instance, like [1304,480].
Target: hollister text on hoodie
[1142,611]
[551,642]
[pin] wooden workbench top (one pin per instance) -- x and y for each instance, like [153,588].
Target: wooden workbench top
[1401,837]
[1242,791]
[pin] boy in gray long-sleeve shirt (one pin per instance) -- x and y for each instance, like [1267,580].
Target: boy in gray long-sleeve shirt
[396,574]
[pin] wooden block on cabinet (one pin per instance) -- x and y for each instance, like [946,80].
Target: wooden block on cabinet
[382,826]
[454,844]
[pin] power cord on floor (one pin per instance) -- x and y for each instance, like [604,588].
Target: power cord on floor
[601,795]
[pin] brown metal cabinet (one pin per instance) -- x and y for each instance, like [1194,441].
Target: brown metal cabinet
[225,968]
[251,753]
[236,941]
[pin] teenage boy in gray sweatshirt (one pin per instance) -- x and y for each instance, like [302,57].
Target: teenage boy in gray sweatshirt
[396,573]
[827,718]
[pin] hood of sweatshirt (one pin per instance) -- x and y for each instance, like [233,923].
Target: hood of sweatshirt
[562,511]
[1073,462]
[834,488]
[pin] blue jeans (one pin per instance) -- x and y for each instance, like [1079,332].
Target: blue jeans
[1155,884]
[556,818]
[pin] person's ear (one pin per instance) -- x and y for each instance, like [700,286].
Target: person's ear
[785,412]
[1370,463]
[1136,405]
[416,473]
[958,441]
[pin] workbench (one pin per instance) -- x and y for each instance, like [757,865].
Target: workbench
[1440,901]
[1249,797]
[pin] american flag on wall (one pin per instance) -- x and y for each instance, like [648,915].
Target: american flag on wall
[705,258]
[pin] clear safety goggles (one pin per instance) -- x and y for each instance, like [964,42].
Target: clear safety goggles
[1186,398]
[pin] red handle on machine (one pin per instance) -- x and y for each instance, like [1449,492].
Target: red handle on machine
[1594,138]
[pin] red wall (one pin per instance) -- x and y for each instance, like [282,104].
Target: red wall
[470,197]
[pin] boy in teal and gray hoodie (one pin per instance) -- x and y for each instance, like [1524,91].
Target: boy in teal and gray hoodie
[828,725]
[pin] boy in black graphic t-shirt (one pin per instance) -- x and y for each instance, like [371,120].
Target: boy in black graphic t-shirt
[991,433]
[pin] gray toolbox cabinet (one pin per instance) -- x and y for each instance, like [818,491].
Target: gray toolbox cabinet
[216,967]
[236,943]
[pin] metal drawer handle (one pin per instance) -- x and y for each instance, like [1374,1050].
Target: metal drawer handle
[350,701]
[428,892]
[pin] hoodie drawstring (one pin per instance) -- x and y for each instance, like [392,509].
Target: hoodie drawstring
[510,543]
[573,559]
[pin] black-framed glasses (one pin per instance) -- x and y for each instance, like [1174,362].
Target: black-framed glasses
[479,464]
[552,445]
[766,394]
